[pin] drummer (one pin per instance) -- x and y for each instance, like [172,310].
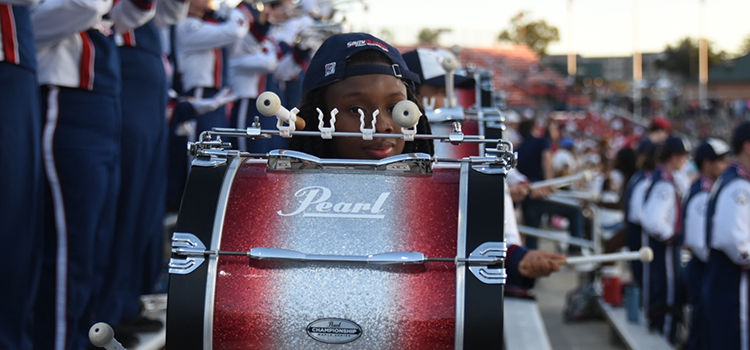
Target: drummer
[427,63]
[355,72]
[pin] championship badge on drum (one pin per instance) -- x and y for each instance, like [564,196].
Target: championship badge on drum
[291,251]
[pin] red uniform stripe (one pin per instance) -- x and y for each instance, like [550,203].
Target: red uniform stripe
[128,38]
[8,28]
[218,68]
[87,62]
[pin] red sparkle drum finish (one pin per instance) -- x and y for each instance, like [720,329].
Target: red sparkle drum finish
[273,305]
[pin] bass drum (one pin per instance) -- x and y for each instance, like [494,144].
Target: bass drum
[219,301]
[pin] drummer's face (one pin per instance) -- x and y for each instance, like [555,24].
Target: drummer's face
[366,93]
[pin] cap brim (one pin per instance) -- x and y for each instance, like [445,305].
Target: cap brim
[459,81]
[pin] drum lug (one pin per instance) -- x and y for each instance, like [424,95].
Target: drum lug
[486,274]
[189,246]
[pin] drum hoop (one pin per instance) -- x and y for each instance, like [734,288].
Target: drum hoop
[463,192]
[221,208]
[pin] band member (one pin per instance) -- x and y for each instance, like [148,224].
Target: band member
[21,213]
[711,160]
[79,72]
[358,72]
[725,285]
[250,60]
[138,240]
[427,63]
[661,219]
[633,199]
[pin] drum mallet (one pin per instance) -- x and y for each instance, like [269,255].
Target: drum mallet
[269,104]
[644,254]
[562,181]
[103,336]
[450,65]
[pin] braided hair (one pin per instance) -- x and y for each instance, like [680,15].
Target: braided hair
[314,99]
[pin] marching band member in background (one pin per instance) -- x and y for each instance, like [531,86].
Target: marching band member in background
[427,63]
[138,241]
[200,44]
[633,199]
[524,265]
[661,219]
[22,212]
[725,285]
[711,160]
[79,73]
[250,60]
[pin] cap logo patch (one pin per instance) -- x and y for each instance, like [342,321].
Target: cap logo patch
[330,68]
[366,42]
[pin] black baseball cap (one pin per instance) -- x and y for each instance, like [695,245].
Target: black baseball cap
[428,64]
[711,149]
[328,65]
[676,145]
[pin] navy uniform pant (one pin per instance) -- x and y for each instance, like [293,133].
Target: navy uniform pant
[725,301]
[665,289]
[693,279]
[80,144]
[140,212]
[21,207]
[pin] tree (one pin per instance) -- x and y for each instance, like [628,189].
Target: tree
[537,35]
[430,36]
[745,47]
[682,59]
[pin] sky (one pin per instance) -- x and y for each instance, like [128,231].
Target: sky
[598,27]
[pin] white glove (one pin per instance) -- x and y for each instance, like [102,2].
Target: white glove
[205,105]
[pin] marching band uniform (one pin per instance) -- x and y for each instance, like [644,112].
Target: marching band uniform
[633,198]
[139,230]
[22,173]
[725,288]
[201,59]
[250,59]
[661,217]
[200,50]
[694,227]
[80,77]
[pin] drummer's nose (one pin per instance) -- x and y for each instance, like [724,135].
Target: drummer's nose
[385,123]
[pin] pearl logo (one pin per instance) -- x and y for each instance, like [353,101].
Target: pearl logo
[314,202]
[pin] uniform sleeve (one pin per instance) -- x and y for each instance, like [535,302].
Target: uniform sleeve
[261,62]
[55,20]
[19,2]
[170,12]
[657,214]
[636,202]
[731,222]
[196,35]
[512,236]
[131,14]
[695,225]
[514,257]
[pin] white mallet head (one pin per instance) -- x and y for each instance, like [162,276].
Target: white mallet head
[449,64]
[406,114]
[101,334]
[268,104]
[646,253]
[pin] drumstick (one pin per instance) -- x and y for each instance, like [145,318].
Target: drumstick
[561,181]
[644,254]
[269,104]
[103,336]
